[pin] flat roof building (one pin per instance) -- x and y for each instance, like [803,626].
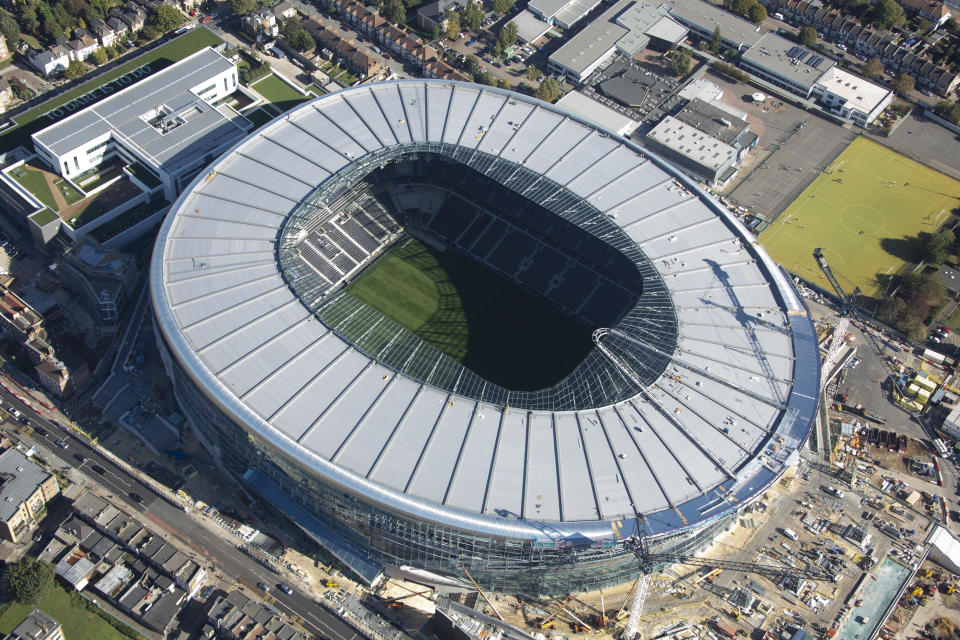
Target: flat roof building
[693,151]
[37,626]
[627,27]
[563,13]
[169,122]
[852,97]
[703,18]
[594,111]
[715,121]
[786,64]
[25,489]
[530,28]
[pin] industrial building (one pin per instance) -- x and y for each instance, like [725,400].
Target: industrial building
[699,154]
[392,454]
[786,64]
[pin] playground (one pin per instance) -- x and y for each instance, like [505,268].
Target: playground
[865,209]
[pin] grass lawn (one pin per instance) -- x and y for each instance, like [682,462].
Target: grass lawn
[864,210]
[278,92]
[78,623]
[163,56]
[34,182]
[70,194]
[953,320]
[473,315]
[44,216]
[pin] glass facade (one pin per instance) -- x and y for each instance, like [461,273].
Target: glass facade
[500,563]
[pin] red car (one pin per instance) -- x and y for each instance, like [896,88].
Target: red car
[206,19]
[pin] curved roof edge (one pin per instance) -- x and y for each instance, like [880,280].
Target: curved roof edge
[793,426]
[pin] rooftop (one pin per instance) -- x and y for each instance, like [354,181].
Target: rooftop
[713,121]
[36,625]
[594,111]
[593,42]
[707,17]
[337,408]
[161,116]
[786,59]
[859,94]
[19,479]
[529,26]
[692,143]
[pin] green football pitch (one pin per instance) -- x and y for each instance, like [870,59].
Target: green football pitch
[472,314]
[864,210]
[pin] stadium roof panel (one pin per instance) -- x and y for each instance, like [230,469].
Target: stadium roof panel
[243,335]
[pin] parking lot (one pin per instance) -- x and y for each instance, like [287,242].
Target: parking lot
[927,142]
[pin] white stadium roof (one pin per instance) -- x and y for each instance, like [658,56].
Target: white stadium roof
[684,449]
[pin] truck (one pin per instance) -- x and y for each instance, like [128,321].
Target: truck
[725,629]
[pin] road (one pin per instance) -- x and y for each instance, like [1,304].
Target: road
[231,564]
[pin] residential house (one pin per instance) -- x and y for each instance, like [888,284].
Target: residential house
[934,11]
[4,50]
[82,45]
[63,375]
[25,490]
[51,61]
[134,19]
[6,94]
[434,13]
[118,26]
[102,31]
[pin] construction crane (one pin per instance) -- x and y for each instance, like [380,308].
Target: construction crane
[848,307]
[648,560]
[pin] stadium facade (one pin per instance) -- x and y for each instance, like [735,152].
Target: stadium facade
[391,453]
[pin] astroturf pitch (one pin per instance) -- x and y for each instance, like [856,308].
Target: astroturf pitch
[863,210]
[474,315]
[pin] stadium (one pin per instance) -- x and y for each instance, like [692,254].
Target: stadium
[450,329]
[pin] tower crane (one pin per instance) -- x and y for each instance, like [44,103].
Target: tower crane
[848,307]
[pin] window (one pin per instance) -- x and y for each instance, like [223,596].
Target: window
[96,148]
[206,89]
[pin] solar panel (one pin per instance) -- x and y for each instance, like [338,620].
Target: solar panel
[803,55]
[794,50]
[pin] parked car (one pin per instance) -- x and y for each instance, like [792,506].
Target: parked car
[61,444]
[136,497]
[263,586]
[287,590]
[98,469]
[79,457]
[206,19]
[40,431]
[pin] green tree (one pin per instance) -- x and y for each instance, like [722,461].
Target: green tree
[903,85]
[508,34]
[497,49]
[289,27]
[757,13]
[502,6]
[74,70]
[98,56]
[485,78]
[302,41]
[532,73]
[935,247]
[681,61]
[952,25]
[31,580]
[886,14]
[165,18]
[453,24]
[922,24]
[950,111]
[808,36]
[473,65]
[435,32]
[112,52]
[472,17]
[395,11]
[10,30]
[241,7]
[549,90]
[873,68]
[503,84]
[716,40]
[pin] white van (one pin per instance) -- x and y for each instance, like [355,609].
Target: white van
[790,534]
[778,16]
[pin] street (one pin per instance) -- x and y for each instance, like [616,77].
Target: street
[213,548]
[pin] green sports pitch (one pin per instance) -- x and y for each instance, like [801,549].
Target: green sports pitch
[864,210]
[491,325]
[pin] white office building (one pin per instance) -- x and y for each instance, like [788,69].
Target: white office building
[852,97]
